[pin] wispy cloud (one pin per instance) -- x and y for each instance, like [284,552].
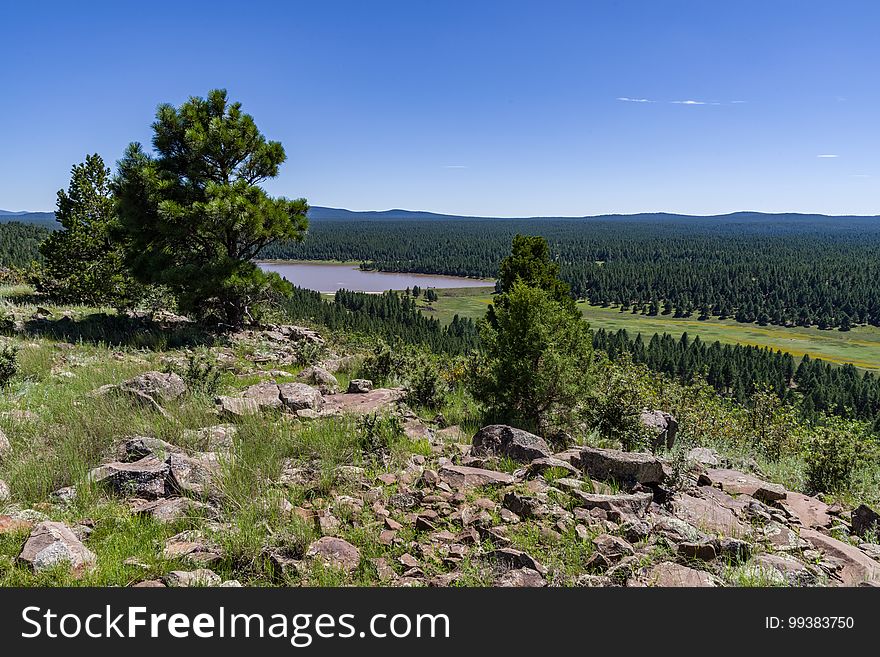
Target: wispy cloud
[827,156]
[688,102]
[455,166]
[634,100]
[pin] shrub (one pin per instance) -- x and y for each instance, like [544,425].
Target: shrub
[8,364]
[423,381]
[615,404]
[202,376]
[377,432]
[537,360]
[831,457]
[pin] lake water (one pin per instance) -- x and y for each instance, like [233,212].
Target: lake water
[327,277]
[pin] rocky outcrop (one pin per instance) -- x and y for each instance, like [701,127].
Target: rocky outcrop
[148,478]
[460,477]
[740,483]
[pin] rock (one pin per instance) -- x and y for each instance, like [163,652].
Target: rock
[5,493]
[740,483]
[375,401]
[856,567]
[149,478]
[864,520]
[195,474]
[10,525]
[521,578]
[219,437]
[703,551]
[708,516]
[626,504]
[318,376]
[511,558]
[780,570]
[459,476]
[662,425]
[703,456]
[158,385]
[670,574]
[266,394]
[515,444]
[237,406]
[677,530]
[4,444]
[524,506]
[53,543]
[138,447]
[149,584]
[359,386]
[200,577]
[335,552]
[170,510]
[299,396]
[541,465]
[612,547]
[623,467]
[192,546]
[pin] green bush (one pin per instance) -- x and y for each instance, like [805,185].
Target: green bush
[8,364]
[378,432]
[831,457]
[423,381]
[201,375]
[615,404]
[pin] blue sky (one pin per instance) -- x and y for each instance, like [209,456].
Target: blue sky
[492,108]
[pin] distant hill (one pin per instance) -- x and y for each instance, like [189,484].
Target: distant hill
[46,219]
[320,213]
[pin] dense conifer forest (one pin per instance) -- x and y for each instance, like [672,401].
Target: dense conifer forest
[807,270]
[19,243]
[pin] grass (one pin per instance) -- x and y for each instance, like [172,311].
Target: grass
[860,346]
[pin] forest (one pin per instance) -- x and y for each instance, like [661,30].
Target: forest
[804,270]
[19,243]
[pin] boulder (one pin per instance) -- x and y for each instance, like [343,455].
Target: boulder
[192,546]
[740,483]
[160,386]
[266,394]
[864,520]
[359,386]
[148,478]
[668,574]
[662,425]
[857,567]
[511,558]
[709,516]
[541,465]
[459,476]
[623,467]
[299,396]
[515,444]
[335,552]
[138,447]
[612,547]
[521,578]
[53,543]
[374,401]
[195,474]
[703,456]
[237,406]
[810,512]
[780,570]
[321,378]
[626,504]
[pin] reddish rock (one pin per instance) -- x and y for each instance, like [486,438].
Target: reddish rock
[459,476]
[335,552]
[670,574]
[521,578]
[740,483]
[709,516]
[378,400]
[857,567]
[53,543]
[10,525]
[811,512]
[624,504]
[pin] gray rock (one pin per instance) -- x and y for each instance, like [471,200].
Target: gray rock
[186,578]
[237,406]
[459,476]
[320,377]
[148,478]
[864,520]
[623,467]
[515,444]
[266,394]
[359,386]
[704,456]
[299,396]
[521,578]
[53,543]
[626,504]
[158,385]
[662,425]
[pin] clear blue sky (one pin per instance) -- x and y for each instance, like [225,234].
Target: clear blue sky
[495,108]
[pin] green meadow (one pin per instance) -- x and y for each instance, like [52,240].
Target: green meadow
[860,346]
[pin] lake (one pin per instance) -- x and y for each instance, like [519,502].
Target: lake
[329,277]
